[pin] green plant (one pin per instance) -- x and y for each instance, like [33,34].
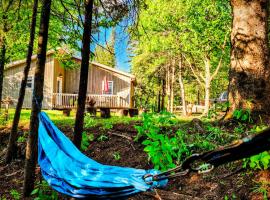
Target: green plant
[15,194]
[44,192]
[86,139]
[233,197]
[240,129]
[116,156]
[260,161]
[102,138]
[262,188]
[243,115]
[107,125]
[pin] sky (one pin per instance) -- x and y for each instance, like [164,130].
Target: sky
[121,45]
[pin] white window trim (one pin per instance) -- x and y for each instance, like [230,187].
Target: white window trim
[108,84]
[32,84]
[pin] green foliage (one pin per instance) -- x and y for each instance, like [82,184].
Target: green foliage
[15,194]
[43,191]
[152,122]
[67,60]
[243,115]
[260,161]
[102,138]
[106,55]
[116,156]
[227,197]
[86,139]
[262,188]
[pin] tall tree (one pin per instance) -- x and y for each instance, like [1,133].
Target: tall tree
[249,86]
[11,150]
[87,28]
[106,55]
[31,148]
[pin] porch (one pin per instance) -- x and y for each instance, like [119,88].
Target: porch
[69,101]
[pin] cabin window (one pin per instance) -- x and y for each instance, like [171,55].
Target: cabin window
[109,90]
[30,82]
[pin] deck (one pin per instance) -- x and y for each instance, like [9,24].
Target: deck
[69,101]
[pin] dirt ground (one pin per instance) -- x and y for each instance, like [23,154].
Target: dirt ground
[225,182]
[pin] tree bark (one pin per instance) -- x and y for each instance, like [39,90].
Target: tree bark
[163,94]
[11,149]
[2,65]
[207,86]
[182,88]
[172,87]
[31,148]
[78,129]
[249,86]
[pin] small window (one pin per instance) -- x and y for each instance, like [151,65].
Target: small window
[107,89]
[30,82]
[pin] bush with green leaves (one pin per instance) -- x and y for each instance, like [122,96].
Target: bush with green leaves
[86,139]
[260,161]
[43,191]
[15,194]
[243,115]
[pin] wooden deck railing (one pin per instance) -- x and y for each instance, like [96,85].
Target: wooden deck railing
[61,101]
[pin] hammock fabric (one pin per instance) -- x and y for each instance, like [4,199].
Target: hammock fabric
[70,172]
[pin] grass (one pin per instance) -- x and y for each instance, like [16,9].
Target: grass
[60,120]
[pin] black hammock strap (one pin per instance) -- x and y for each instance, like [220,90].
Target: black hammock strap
[239,149]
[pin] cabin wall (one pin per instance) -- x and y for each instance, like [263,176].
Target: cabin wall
[121,84]
[12,83]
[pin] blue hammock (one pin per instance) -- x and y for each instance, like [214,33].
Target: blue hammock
[70,172]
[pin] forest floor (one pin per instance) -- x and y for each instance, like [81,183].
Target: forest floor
[116,146]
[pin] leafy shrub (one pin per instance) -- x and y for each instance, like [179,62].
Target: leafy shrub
[86,139]
[243,115]
[260,161]
[15,194]
[152,122]
[44,192]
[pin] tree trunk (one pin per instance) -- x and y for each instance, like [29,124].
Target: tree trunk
[11,150]
[78,129]
[2,65]
[249,86]
[172,87]
[163,94]
[168,87]
[31,148]
[182,88]
[207,85]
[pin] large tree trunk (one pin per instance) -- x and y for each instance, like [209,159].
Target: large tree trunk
[182,88]
[31,148]
[207,86]
[249,86]
[78,129]
[11,150]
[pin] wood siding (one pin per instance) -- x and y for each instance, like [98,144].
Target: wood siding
[12,83]
[121,84]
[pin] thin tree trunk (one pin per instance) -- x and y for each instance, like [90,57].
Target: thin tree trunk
[249,86]
[172,87]
[182,88]
[31,148]
[159,99]
[163,94]
[2,65]
[207,85]
[11,150]
[168,87]
[78,129]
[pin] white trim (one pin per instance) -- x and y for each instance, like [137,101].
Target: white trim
[108,86]
[32,82]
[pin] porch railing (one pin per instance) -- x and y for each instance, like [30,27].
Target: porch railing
[64,100]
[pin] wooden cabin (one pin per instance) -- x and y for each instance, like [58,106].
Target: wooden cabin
[61,85]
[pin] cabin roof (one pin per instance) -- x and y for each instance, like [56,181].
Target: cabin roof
[50,52]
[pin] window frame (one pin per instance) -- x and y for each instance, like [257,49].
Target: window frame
[112,84]
[32,82]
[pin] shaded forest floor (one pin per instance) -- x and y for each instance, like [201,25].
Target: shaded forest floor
[116,146]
